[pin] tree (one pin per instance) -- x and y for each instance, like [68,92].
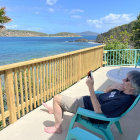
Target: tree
[3,18]
[136,33]
[117,41]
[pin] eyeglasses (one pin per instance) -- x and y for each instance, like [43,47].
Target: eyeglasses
[127,80]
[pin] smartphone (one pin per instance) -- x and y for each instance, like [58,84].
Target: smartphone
[90,74]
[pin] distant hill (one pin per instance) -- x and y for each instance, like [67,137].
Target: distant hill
[25,33]
[87,33]
[116,31]
[67,34]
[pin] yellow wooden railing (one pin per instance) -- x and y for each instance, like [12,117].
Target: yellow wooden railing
[25,85]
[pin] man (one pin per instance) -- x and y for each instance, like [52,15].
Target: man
[115,100]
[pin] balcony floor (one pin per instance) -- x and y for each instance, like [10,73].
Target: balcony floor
[31,126]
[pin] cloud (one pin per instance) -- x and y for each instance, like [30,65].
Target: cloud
[51,10]
[76,16]
[37,13]
[12,26]
[51,2]
[76,11]
[111,20]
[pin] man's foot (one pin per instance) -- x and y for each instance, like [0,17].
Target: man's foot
[53,129]
[50,109]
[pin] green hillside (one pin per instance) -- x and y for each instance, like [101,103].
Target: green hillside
[20,33]
[116,31]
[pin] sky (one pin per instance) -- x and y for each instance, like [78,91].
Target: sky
[54,16]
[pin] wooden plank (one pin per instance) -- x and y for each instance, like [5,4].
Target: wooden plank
[2,106]
[37,83]
[64,72]
[60,74]
[55,77]
[44,91]
[10,95]
[26,93]
[41,92]
[30,87]
[34,91]
[50,86]
[63,69]
[21,91]
[47,81]
[16,90]
[67,71]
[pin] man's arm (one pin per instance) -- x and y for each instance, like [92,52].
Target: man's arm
[94,100]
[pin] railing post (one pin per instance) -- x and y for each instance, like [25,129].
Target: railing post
[79,66]
[104,57]
[10,95]
[135,61]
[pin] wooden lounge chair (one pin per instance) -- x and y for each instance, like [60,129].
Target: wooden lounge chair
[102,129]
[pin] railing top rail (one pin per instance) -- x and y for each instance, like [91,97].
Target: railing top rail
[122,49]
[30,62]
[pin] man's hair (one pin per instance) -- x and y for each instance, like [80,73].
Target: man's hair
[135,80]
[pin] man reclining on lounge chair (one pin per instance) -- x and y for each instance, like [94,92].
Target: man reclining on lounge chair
[115,100]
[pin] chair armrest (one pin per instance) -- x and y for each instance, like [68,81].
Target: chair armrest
[92,114]
[98,92]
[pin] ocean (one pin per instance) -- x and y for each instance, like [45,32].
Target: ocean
[17,49]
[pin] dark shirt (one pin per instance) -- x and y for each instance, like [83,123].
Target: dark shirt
[113,103]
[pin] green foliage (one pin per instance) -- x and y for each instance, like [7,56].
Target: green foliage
[120,42]
[136,33]
[3,17]
[117,42]
[116,32]
[1,125]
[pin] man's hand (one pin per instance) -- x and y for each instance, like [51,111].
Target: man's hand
[90,82]
[94,100]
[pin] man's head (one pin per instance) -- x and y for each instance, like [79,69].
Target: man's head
[134,78]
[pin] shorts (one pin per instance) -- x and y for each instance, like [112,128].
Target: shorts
[70,104]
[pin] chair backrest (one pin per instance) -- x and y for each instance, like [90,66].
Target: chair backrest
[132,106]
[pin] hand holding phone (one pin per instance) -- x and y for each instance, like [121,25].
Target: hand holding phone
[90,74]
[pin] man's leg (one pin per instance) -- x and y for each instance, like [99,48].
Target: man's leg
[49,108]
[57,116]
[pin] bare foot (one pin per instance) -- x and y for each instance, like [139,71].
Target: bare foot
[50,109]
[53,129]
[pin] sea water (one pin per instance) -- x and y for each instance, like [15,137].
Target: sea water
[17,49]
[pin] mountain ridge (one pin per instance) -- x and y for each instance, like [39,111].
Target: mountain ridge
[88,33]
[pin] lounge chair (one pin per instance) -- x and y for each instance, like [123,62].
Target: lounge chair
[102,129]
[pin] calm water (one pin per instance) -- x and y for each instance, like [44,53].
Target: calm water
[17,49]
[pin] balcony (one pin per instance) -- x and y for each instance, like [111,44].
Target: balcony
[26,82]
